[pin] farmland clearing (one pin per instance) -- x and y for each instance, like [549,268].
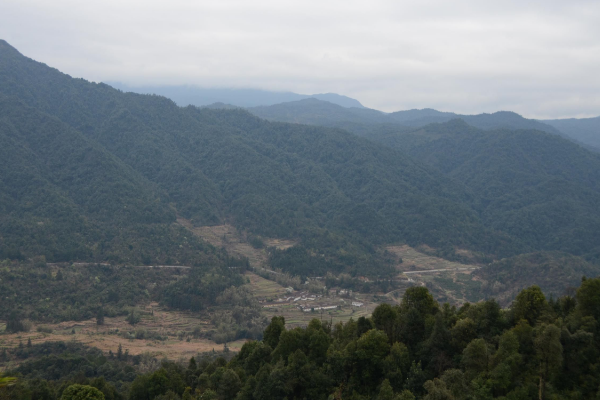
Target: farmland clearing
[175,329]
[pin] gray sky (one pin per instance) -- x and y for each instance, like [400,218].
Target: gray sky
[538,58]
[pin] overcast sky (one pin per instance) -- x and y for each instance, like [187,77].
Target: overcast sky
[538,58]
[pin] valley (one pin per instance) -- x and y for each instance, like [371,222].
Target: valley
[295,250]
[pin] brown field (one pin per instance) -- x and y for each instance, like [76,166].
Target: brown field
[264,289]
[107,337]
[227,236]
[280,244]
[448,281]
[414,260]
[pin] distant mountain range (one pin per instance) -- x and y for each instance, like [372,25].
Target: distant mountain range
[583,130]
[197,96]
[318,112]
[332,109]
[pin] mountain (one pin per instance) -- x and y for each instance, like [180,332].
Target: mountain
[554,272]
[583,130]
[362,121]
[452,186]
[65,197]
[538,187]
[197,96]
[340,194]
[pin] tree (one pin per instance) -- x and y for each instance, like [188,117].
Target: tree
[187,394]
[506,363]
[273,331]
[396,365]
[437,346]
[588,298]
[476,357]
[14,323]
[367,356]
[529,304]
[405,395]
[462,333]
[133,318]
[415,379]
[385,391]
[229,385]
[384,317]
[82,392]
[436,390]
[419,298]
[100,316]
[548,350]
[158,383]
[456,383]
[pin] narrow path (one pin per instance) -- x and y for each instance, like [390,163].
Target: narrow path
[426,271]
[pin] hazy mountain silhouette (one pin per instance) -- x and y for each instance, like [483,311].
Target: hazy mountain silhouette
[185,95]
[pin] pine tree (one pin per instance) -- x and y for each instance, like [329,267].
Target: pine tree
[100,316]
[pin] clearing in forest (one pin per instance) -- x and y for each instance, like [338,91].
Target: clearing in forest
[414,260]
[228,237]
[174,327]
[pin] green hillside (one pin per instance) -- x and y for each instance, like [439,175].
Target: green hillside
[583,130]
[122,165]
[557,274]
[535,186]
[329,188]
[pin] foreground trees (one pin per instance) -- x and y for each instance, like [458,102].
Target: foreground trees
[538,349]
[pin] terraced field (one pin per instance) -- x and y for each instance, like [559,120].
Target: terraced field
[414,260]
[175,326]
[448,281]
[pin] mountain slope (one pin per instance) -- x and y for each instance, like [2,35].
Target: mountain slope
[555,273]
[583,130]
[339,193]
[495,192]
[533,185]
[67,198]
[362,121]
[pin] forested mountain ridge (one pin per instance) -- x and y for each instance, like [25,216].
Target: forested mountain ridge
[343,196]
[533,185]
[554,272]
[330,188]
[362,121]
[583,130]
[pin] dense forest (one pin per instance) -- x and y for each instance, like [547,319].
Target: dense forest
[45,293]
[538,348]
[556,273]
[90,173]
[340,194]
[533,185]
[583,130]
[95,184]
